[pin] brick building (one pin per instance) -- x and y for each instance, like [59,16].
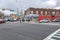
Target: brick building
[44,13]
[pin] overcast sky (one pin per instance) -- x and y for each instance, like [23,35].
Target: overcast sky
[24,4]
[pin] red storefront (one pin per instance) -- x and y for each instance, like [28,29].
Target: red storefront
[44,13]
[47,17]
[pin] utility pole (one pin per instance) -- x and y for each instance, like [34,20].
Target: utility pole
[17,10]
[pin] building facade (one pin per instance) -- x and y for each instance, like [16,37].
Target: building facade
[1,15]
[44,13]
[12,15]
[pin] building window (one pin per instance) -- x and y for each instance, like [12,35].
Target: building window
[28,12]
[49,13]
[45,12]
[36,12]
[57,13]
[53,13]
[41,12]
[31,12]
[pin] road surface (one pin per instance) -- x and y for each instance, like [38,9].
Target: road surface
[23,31]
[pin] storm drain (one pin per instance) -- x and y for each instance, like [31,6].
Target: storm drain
[54,36]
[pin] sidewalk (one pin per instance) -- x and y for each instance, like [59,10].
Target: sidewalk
[56,24]
[43,23]
[31,22]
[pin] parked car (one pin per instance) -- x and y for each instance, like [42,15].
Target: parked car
[2,21]
[56,20]
[13,19]
[7,19]
[44,21]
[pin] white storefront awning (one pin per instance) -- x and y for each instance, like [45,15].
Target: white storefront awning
[34,15]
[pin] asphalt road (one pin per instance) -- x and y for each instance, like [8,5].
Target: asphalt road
[23,31]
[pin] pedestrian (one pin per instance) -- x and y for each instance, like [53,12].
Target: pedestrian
[23,20]
[20,20]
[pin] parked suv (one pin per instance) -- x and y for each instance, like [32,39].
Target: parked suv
[56,20]
[44,21]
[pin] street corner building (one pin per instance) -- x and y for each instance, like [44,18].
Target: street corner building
[44,13]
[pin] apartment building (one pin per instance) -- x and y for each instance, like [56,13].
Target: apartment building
[44,13]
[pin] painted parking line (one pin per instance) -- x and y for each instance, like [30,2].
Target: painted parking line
[54,36]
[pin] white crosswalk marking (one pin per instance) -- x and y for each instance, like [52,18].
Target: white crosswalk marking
[55,35]
[51,39]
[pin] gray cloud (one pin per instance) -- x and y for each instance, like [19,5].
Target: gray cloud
[57,3]
[24,4]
